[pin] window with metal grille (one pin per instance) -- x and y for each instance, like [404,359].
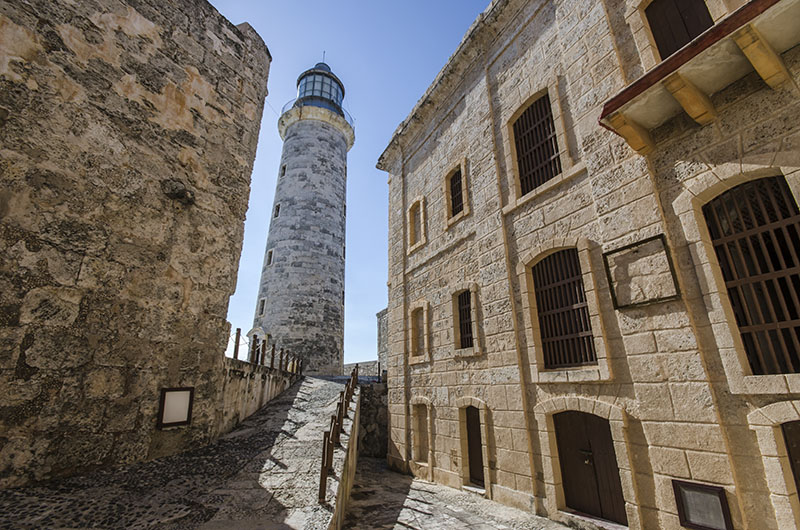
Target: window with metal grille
[464,302]
[456,195]
[755,229]
[564,323]
[675,23]
[418,331]
[536,144]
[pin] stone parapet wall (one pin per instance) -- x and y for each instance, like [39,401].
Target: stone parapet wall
[368,368]
[373,436]
[127,137]
[248,387]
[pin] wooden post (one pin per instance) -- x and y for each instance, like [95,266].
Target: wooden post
[253,348]
[236,345]
[323,474]
[272,360]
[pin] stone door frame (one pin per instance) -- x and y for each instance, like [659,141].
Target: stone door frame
[462,403]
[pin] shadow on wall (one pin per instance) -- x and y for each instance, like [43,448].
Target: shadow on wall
[185,487]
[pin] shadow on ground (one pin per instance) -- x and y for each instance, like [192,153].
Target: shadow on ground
[256,476]
[384,499]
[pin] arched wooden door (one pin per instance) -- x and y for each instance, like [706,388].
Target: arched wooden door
[589,470]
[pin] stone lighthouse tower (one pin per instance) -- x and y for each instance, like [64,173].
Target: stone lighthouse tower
[300,306]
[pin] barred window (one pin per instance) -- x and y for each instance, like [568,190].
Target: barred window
[755,230]
[456,195]
[566,330]
[464,303]
[537,148]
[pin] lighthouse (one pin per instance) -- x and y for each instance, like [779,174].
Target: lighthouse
[300,305]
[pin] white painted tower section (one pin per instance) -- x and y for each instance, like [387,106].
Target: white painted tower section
[301,296]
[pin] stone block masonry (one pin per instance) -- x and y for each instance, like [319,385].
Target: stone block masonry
[127,137]
[670,389]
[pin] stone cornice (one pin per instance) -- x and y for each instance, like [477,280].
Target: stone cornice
[478,38]
[309,112]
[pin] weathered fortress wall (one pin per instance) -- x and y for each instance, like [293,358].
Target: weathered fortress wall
[127,137]
[247,387]
[670,384]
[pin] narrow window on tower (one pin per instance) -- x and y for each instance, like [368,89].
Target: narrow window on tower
[343,252]
[536,145]
[283,170]
[418,332]
[269,257]
[261,305]
[277,210]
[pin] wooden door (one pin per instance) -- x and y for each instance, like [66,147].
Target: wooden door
[589,469]
[474,451]
[791,434]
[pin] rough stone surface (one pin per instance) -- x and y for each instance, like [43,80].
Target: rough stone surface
[671,378]
[368,368]
[302,280]
[384,499]
[383,338]
[373,436]
[128,132]
[264,474]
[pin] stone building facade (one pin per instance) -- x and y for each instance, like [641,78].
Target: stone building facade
[127,137]
[577,295]
[383,337]
[300,305]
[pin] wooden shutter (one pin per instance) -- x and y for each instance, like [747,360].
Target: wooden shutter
[755,229]
[675,23]
[537,148]
[465,319]
[456,197]
[563,313]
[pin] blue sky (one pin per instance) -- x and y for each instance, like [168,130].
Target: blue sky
[387,53]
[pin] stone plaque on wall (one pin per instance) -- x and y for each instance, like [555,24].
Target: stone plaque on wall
[641,273]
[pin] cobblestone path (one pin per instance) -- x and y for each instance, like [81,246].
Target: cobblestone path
[264,474]
[384,499]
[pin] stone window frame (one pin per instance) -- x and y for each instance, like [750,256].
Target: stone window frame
[276,210]
[477,331]
[766,423]
[262,303]
[569,165]
[463,460]
[424,305]
[688,207]
[415,241]
[602,370]
[422,468]
[465,211]
[643,36]
[618,419]
[270,257]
